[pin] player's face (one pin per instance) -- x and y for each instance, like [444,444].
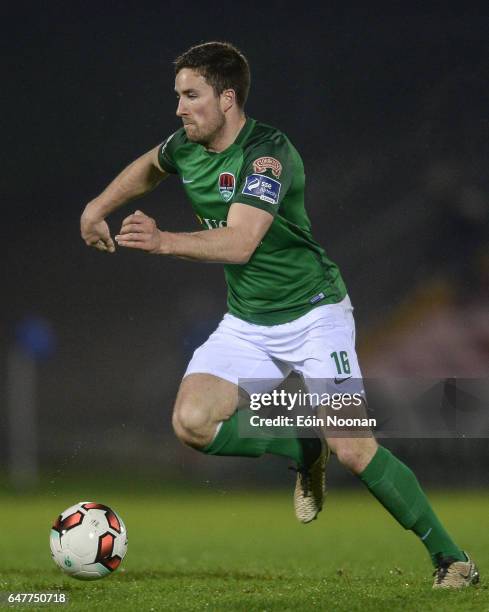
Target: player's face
[198,107]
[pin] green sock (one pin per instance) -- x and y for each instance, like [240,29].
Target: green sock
[229,441]
[397,489]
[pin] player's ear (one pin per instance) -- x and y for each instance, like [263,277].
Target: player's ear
[228,99]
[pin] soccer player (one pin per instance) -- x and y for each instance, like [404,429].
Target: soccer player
[288,309]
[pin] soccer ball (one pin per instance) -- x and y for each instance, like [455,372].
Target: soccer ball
[88,541]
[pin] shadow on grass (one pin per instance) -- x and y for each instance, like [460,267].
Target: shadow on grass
[221,574]
[143,575]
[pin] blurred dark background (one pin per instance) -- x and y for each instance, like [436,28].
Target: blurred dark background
[391,114]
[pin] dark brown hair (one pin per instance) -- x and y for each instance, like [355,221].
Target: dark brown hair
[221,64]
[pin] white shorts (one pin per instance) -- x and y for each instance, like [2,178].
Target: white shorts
[319,346]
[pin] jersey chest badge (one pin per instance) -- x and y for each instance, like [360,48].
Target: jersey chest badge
[227,185]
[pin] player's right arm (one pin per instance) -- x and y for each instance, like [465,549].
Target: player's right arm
[140,177]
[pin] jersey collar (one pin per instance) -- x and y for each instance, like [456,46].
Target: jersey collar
[240,138]
[245,131]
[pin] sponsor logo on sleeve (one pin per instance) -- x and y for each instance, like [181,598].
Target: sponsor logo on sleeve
[263,188]
[262,164]
[227,184]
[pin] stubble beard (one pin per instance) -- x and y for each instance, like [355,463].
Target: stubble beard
[211,133]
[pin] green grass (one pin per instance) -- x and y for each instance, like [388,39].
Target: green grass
[218,551]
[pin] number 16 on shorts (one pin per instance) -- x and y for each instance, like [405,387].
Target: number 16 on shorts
[341,362]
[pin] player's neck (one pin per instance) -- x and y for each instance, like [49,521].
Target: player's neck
[228,134]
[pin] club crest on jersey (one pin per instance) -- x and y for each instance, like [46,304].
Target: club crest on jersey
[227,185]
[262,164]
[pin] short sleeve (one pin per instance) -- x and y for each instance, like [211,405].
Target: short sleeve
[265,176]
[165,155]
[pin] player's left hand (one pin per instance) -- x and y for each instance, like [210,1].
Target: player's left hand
[138,231]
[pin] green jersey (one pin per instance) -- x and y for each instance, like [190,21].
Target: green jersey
[289,272]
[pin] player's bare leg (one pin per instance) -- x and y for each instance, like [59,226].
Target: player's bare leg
[203,402]
[354,447]
[205,417]
[353,453]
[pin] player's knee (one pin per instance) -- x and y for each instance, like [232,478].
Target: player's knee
[190,424]
[179,430]
[355,454]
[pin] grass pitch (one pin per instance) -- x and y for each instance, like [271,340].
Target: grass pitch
[228,551]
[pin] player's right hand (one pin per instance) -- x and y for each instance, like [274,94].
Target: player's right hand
[95,232]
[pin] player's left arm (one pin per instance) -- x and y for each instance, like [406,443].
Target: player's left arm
[234,244]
